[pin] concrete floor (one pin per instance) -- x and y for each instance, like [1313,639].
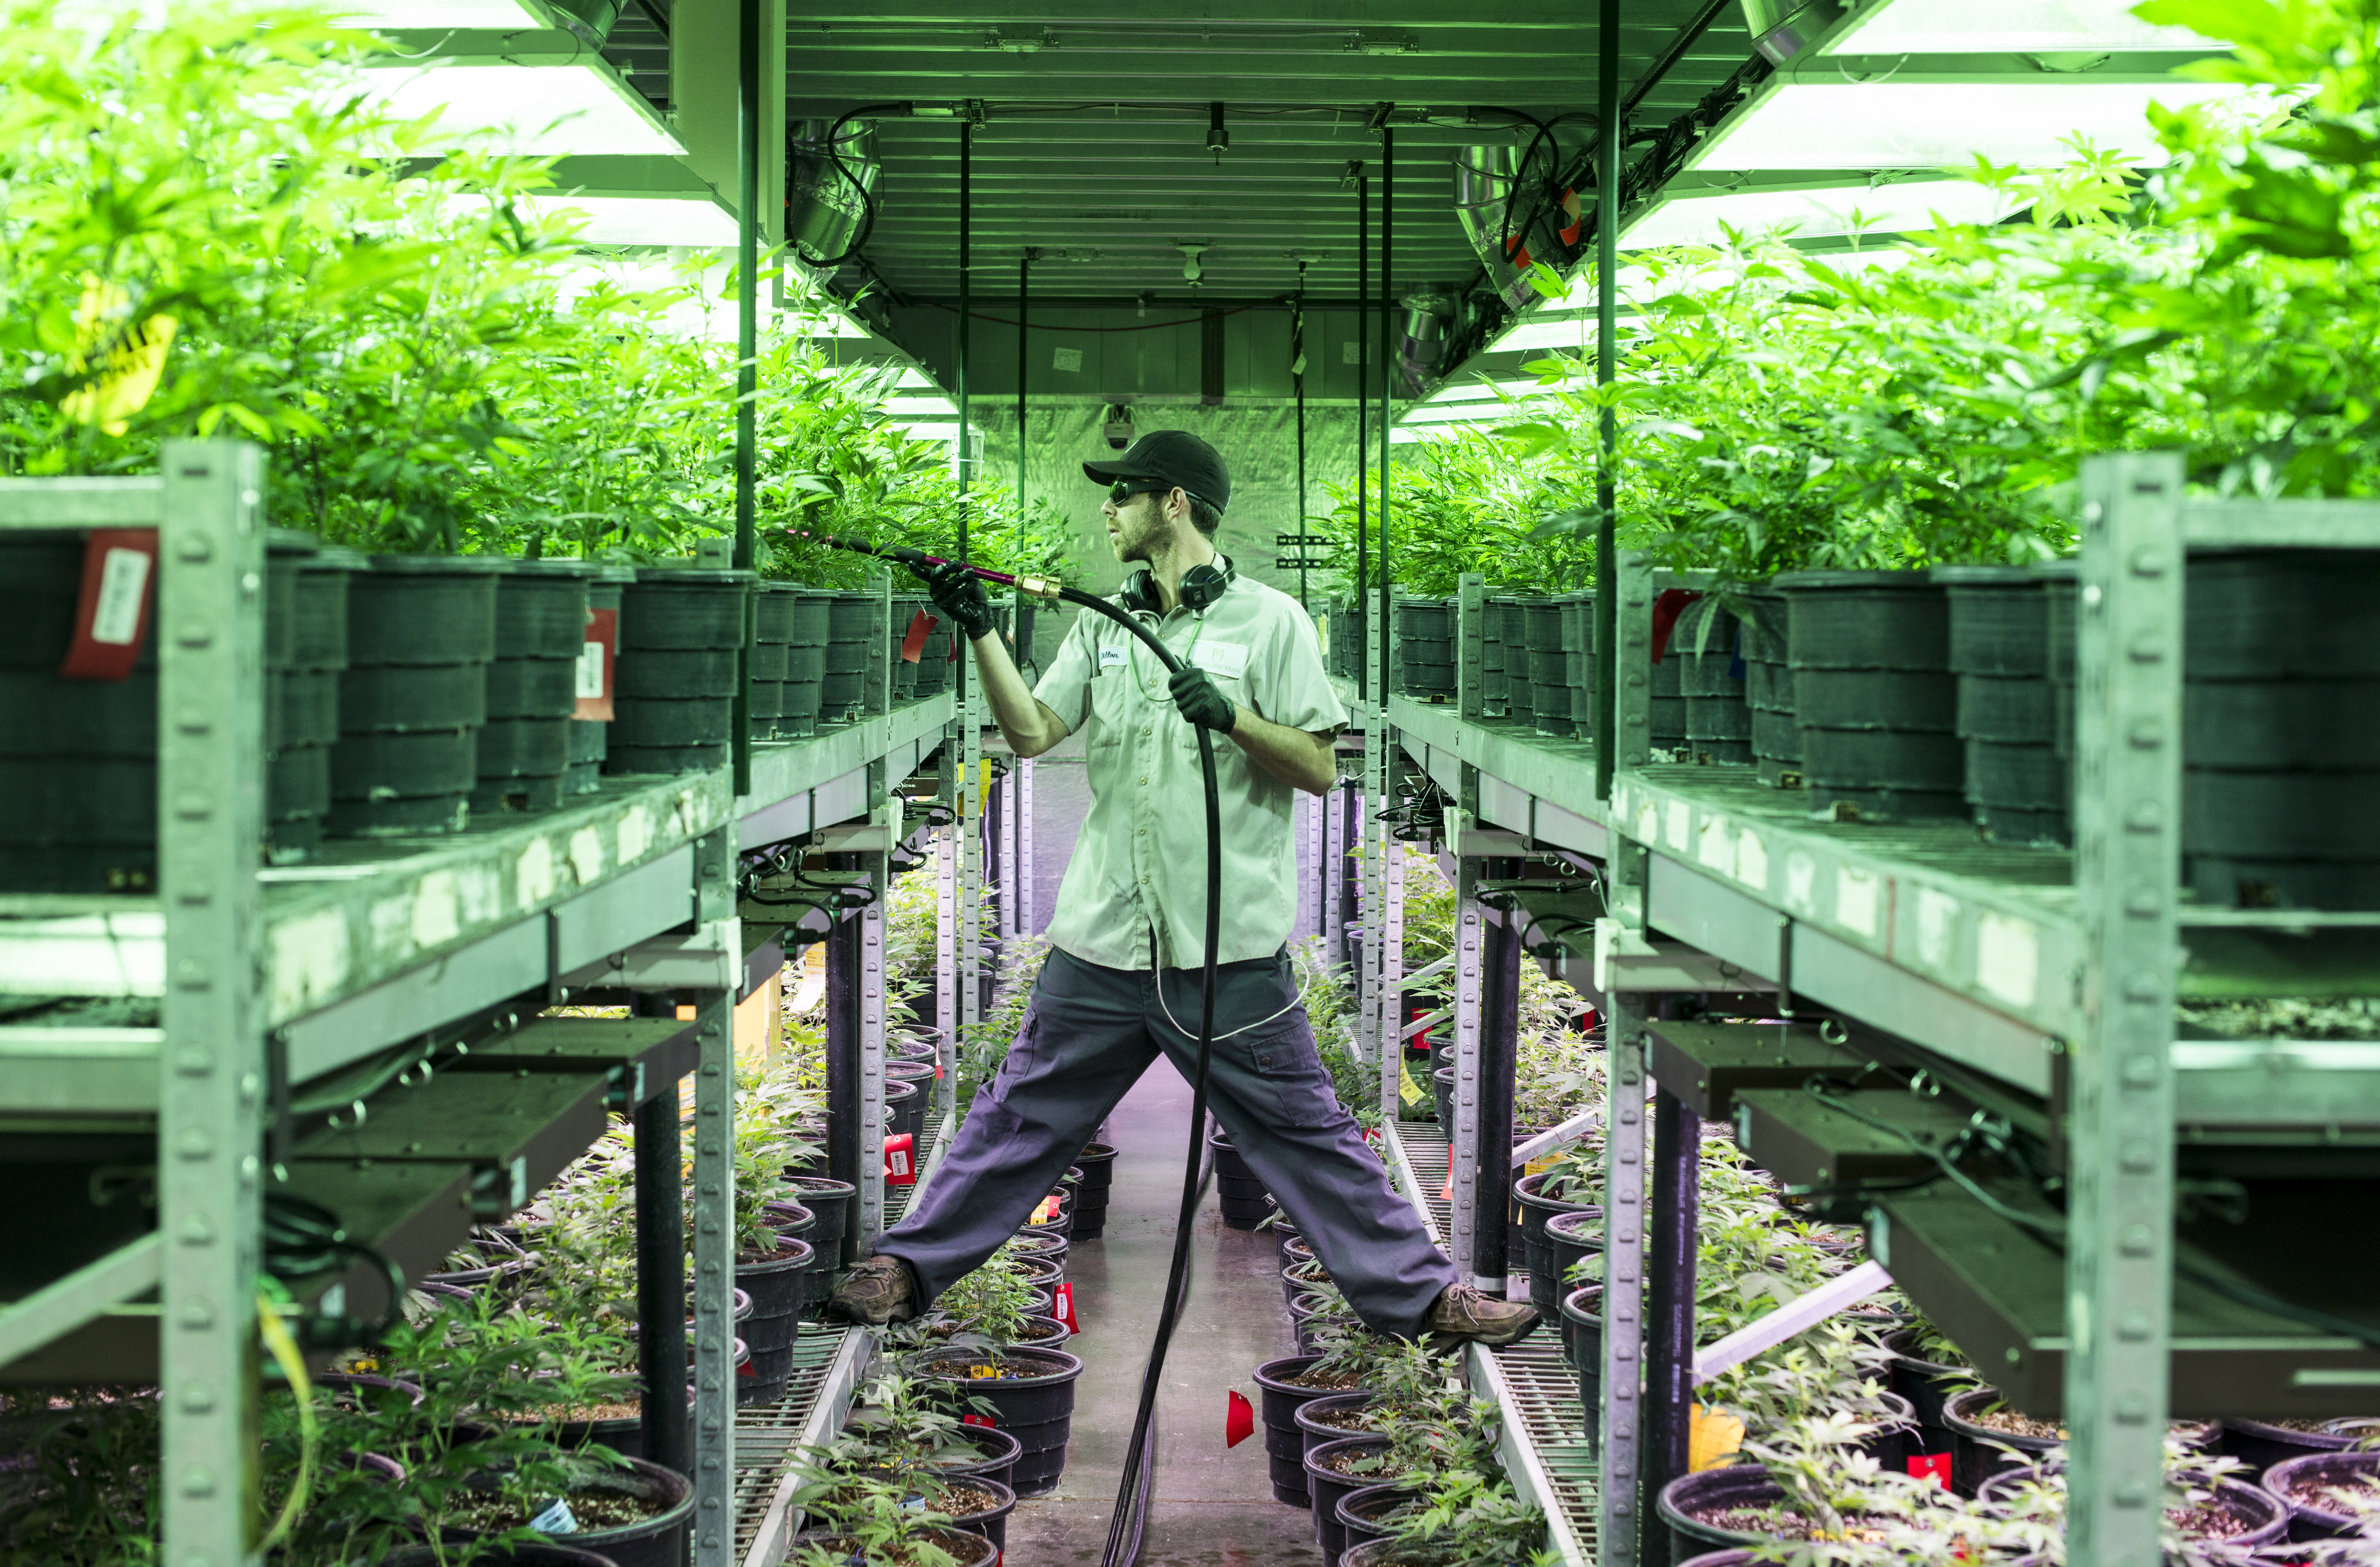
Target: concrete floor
[1213,1506]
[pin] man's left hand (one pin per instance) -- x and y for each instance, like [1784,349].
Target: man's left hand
[1201,703]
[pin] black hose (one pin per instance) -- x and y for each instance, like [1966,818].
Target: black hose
[1127,1523]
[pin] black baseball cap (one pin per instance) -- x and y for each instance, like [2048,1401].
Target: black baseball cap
[1170,458]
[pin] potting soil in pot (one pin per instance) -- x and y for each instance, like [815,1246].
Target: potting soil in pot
[1426,647]
[1711,672]
[771,656]
[680,630]
[851,621]
[421,630]
[2016,782]
[1873,697]
[1032,1392]
[598,677]
[2281,729]
[78,757]
[532,686]
[797,713]
[1769,689]
[1550,702]
[306,647]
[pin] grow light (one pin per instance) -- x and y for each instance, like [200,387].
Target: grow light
[527,109]
[1962,26]
[1461,413]
[1918,124]
[1837,210]
[1568,331]
[480,14]
[922,407]
[1482,391]
[647,220]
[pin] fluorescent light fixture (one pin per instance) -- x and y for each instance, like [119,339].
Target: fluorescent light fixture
[477,14]
[915,377]
[527,109]
[1814,215]
[922,407]
[1573,332]
[931,429]
[1916,123]
[689,221]
[1461,413]
[2007,27]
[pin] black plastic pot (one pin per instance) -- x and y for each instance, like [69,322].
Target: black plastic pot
[1299,1277]
[2281,729]
[305,646]
[659,1541]
[1550,668]
[2016,783]
[1426,648]
[1566,1238]
[831,1202]
[528,1554]
[1895,1439]
[1037,1410]
[1975,1450]
[421,630]
[1582,1344]
[1238,1190]
[905,1108]
[1769,688]
[1926,1385]
[2260,1445]
[984,1451]
[532,686]
[1511,618]
[1578,661]
[1711,674]
[1534,1210]
[1279,1401]
[1059,1223]
[966,1549]
[1362,1512]
[779,1291]
[1441,1093]
[1049,1248]
[1734,1485]
[851,619]
[1718,1559]
[2313,1516]
[1314,1417]
[1326,1486]
[1873,697]
[589,738]
[680,629]
[1495,688]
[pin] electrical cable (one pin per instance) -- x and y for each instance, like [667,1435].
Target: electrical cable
[301,1239]
[1126,1524]
[867,198]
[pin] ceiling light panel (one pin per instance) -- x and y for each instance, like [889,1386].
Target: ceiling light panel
[1962,27]
[477,14]
[527,109]
[1811,215]
[1920,125]
[645,220]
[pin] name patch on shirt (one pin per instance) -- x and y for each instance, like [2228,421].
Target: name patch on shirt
[1110,658]
[1221,657]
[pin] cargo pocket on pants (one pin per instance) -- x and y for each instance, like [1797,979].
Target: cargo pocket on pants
[1300,1089]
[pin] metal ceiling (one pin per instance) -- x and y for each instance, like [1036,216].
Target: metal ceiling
[1092,146]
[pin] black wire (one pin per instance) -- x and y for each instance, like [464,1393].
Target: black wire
[301,1239]
[867,198]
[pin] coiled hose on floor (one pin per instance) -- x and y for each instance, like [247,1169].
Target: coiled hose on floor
[1127,1525]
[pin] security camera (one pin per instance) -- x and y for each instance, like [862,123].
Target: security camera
[1191,250]
[1118,425]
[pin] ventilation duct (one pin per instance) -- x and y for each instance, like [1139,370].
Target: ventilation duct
[1513,222]
[1782,29]
[1422,344]
[826,205]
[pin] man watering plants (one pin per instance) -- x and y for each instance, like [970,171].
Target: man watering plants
[1123,981]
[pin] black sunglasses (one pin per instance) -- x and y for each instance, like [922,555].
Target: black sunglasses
[1124,490]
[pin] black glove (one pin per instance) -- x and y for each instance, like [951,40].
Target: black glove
[958,593]
[1200,702]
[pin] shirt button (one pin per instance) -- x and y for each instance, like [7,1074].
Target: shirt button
[1144,781]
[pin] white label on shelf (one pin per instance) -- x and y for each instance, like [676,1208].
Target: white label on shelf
[437,913]
[116,618]
[587,856]
[2008,958]
[1751,861]
[1717,850]
[533,875]
[1855,894]
[310,961]
[1680,818]
[1937,922]
[1649,823]
[635,834]
[1800,883]
[590,671]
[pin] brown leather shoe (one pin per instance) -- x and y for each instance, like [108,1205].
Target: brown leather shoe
[1463,1311]
[878,1291]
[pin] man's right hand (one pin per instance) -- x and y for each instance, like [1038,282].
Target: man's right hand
[958,593]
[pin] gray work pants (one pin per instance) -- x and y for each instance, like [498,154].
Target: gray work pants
[1089,1033]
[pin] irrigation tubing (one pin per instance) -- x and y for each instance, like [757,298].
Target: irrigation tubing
[1129,1521]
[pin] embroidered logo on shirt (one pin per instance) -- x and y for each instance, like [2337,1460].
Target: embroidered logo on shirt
[1221,657]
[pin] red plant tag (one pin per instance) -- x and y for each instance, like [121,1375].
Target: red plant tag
[900,1161]
[119,565]
[746,1370]
[915,643]
[1446,1193]
[977,1420]
[1572,210]
[1666,611]
[598,657]
[1047,1211]
[1239,1420]
[1372,1135]
[1062,1302]
[1934,1466]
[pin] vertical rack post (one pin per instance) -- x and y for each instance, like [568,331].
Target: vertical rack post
[715,1210]
[1387,606]
[969,804]
[1610,139]
[1297,380]
[1622,1533]
[1675,1164]
[1023,367]
[867,946]
[210,627]
[1500,1016]
[944,842]
[1025,923]
[2119,1200]
[1470,972]
[1370,1007]
[849,1155]
[660,1266]
[747,352]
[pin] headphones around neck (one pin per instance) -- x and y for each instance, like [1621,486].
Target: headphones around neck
[1201,586]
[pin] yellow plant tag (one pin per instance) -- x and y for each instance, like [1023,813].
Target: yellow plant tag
[1407,1089]
[129,359]
[1048,1211]
[1540,1164]
[1714,1437]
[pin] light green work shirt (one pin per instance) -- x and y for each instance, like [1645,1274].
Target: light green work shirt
[1140,865]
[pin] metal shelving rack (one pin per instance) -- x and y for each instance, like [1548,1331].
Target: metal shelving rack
[2038,982]
[370,946]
